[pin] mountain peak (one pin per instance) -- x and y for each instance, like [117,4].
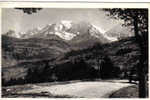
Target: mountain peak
[67,23]
[66,30]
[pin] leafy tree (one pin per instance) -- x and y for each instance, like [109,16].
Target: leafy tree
[108,70]
[138,20]
[29,10]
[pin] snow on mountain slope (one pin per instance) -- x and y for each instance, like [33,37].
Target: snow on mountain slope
[30,33]
[65,35]
[67,24]
[67,30]
[119,32]
[105,35]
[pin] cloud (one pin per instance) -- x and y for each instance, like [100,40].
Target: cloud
[21,22]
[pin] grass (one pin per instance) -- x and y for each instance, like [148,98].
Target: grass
[126,92]
[13,91]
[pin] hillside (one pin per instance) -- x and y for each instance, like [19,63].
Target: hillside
[98,61]
[21,50]
[123,54]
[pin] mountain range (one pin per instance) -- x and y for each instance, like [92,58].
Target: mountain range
[55,39]
[68,30]
[62,43]
[76,34]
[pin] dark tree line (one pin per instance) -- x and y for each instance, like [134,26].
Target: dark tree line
[77,69]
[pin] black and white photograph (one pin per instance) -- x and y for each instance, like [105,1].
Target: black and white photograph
[74,52]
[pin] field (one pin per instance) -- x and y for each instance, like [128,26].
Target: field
[69,89]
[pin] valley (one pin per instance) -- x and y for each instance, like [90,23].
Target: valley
[51,55]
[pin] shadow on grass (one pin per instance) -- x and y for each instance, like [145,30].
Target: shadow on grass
[126,92]
[35,95]
[112,81]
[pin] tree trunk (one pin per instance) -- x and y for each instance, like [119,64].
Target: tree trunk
[143,93]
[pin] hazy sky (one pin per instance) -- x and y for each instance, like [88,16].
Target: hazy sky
[21,22]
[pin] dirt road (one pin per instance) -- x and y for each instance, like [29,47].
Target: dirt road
[96,89]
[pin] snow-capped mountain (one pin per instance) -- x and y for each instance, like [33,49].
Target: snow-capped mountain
[59,29]
[12,33]
[30,33]
[68,31]
[118,31]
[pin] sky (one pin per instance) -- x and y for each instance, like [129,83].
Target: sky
[14,19]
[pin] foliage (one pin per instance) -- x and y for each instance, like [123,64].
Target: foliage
[123,51]
[128,16]
[132,17]
[108,70]
[138,19]
[29,10]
